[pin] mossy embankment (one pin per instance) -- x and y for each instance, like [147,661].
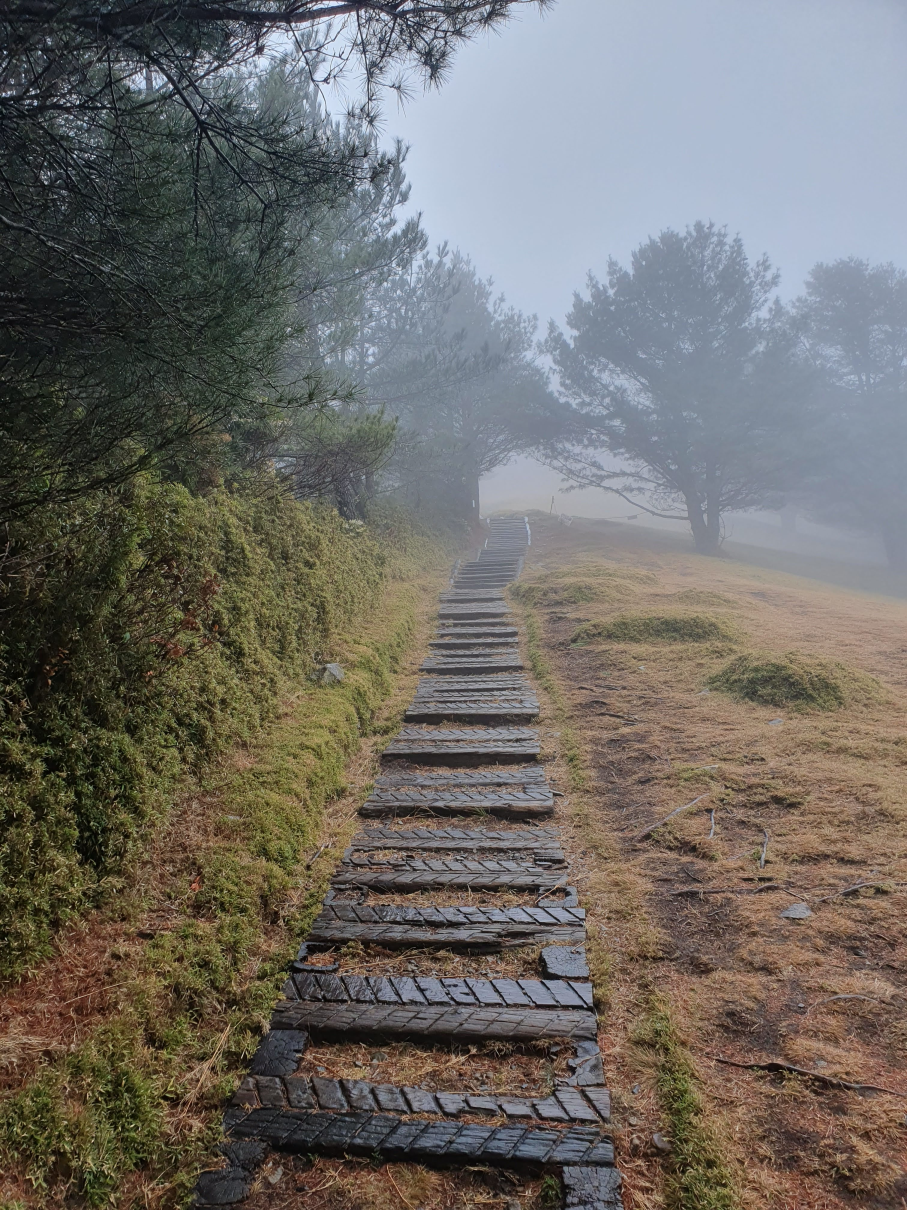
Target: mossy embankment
[170,865]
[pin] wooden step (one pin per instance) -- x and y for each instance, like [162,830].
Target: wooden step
[345,1096]
[463,665]
[410,878]
[515,805]
[480,929]
[484,840]
[529,775]
[503,993]
[446,1142]
[431,1022]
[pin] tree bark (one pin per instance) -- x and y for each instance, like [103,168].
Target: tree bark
[705,535]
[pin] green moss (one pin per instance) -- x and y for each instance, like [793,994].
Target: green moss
[656,628]
[88,1119]
[796,681]
[156,630]
[699,1177]
[145,1091]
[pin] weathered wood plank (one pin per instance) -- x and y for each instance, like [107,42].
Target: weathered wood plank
[423,1141]
[416,880]
[430,1021]
[456,665]
[484,938]
[538,840]
[574,1105]
[530,775]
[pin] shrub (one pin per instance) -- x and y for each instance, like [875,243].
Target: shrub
[142,631]
[656,628]
[797,681]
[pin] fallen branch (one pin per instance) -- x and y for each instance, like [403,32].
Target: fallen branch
[712,827]
[858,886]
[729,890]
[764,849]
[655,826]
[830,1081]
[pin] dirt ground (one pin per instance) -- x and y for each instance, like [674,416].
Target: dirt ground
[793,808]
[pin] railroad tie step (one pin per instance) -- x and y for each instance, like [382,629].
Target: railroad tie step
[331,988]
[446,1142]
[592,1105]
[432,1022]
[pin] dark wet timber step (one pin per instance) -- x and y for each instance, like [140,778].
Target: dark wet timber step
[502,806]
[491,929]
[466,745]
[462,664]
[543,840]
[530,775]
[406,878]
[398,989]
[389,1137]
[431,1022]
[470,710]
[344,1096]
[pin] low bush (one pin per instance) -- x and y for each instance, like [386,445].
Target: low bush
[796,681]
[656,628]
[142,632]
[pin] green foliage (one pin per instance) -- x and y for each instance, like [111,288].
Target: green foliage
[699,1177]
[154,630]
[657,628]
[680,368]
[192,1000]
[88,1119]
[799,682]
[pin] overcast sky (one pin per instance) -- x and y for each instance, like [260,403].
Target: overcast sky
[572,137]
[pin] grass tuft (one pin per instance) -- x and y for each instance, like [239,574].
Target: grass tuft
[699,1177]
[796,681]
[657,628]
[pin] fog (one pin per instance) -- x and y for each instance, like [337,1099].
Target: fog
[575,136]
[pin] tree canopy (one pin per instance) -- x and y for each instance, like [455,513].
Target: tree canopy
[682,370]
[853,318]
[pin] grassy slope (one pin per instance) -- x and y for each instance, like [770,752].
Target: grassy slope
[688,976]
[117,1094]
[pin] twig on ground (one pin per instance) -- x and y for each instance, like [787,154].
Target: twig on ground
[321,848]
[712,823]
[858,886]
[854,996]
[764,849]
[403,1198]
[655,826]
[729,890]
[830,1081]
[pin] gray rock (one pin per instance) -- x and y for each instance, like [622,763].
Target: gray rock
[332,674]
[796,911]
[660,1143]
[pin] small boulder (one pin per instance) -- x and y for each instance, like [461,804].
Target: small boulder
[332,674]
[796,911]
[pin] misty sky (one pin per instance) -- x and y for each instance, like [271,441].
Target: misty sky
[576,135]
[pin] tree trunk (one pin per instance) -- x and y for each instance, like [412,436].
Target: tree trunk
[894,536]
[705,535]
[471,502]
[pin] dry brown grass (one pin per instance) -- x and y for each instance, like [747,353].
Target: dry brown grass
[829,791]
[286,1183]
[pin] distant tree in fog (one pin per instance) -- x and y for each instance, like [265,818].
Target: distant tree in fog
[853,316]
[684,370]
